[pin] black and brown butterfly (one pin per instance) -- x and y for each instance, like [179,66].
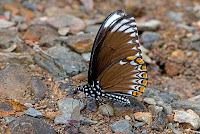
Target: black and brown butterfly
[116,68]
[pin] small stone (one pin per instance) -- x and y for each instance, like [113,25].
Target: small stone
[75,24]
[150,101]
[18,19]
[14,80]
[139,124]
[8,37]
[62,119]
[63,31]
[38,87]
[86,121]
[29,125]
[68,105]
[85,130]
[35,32]
[106,110]
[81,43]
[172,127]
[154,109]
[146,58]
[127,117]
[144,116]
[49,41]
[186,27]
[149,37]
[92,29]
[160,121]
[51,115]
[28,105]
[8,119]
[189,117]
[195,42]
[172,69]
[122,126]
[144,132]
[189,54]
[178,54]
[23,27]
[167,108]
[32,112]
[5,23]
[150,25]
[177,17]
[86,56]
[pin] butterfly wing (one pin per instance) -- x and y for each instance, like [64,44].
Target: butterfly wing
[116,57]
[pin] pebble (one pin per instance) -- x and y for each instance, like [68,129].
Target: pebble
[62,119]
[189,53]
[150,25]
[28,105]
[160,95]
[67,105]
[122,126]
[154,109]
[63,31]
[167,108]
[149,37]
[92,29]
[81,43]
[8,37]
[146,58]
[186,104]
[38,87]
[144,116]
[29,125]
[177,17]
[18,19]
[186,27]
[23,27]
[86,121]
[32,112]
[50,41]
[106,110]
[150,101]
[127,117]
[8,119]
[195,42]
[172,127]
[86,56]
[160,121]
[75,24]
[6,24]
[139,124]
[144,132]
[172,69]
[16,83]
[35,32]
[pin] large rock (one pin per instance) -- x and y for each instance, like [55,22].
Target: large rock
[13,81]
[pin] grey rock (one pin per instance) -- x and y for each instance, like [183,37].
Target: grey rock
[188,116]
[38,87]
[86,56]
[185,104]
[92,29]
[160,95]
[32,112]
[160,121]
[177,17]
[5,23]
[29,125]
[150,25]
[150,101]
[23,27]
[62,119]
[195,42]
[49,41]
[186,27]
[13,81]
[18,19]
[144,132]
[172,127]
[86,121]
[149,37]
[19,58]
[8,119]
[122,126]
[167,108]
[75,24]
[7,37]
[139,124]
[155,109]
[106,110]
[61,63]
[63,31]
[68,105]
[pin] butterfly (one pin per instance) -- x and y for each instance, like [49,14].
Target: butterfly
[116,68]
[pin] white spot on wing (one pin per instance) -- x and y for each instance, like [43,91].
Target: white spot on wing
[132,18]
[137,41]
[134,48]
[124,21]
[130,30]
[138,54]
[132,24]
[111,19]
[133,63]
[116,27]
[123,28]
[130,42]
[133,35]
[122,63]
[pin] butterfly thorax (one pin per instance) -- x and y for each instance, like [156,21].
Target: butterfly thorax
[94,90]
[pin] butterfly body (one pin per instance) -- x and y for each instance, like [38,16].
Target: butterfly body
[116,68]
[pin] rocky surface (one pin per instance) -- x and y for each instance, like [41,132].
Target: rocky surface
[45,48]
